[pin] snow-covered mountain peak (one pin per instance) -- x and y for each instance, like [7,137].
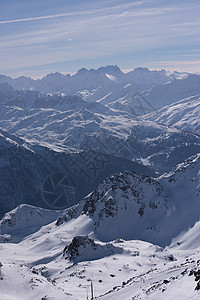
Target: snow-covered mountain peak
[111,70]
[82,71]
[55,75]
[24,220]
[149,209]
[148,77]
[141,70]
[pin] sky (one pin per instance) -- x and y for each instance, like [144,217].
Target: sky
[44,36]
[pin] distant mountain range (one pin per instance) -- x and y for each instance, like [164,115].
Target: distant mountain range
[104,77]
[138,90]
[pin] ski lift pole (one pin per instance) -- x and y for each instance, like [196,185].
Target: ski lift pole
[92,291]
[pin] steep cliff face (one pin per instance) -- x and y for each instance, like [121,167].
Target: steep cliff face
[129,206]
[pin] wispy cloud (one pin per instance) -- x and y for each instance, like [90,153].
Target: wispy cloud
[77,13]
[177,65]
[128,34]
[111,26]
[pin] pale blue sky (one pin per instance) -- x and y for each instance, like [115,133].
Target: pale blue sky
[43,36]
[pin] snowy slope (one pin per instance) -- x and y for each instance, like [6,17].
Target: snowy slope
[60,121]
[142,271]
[24,220]
[162,95]
[50,273]
[183,114]
[188,239]
[67,254]
[158,96]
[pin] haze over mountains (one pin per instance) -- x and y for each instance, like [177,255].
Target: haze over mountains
[109,85]
[57,82]
[139,89]
[124,150]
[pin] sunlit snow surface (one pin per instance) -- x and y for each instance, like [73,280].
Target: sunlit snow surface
[36,268]
[59,260]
